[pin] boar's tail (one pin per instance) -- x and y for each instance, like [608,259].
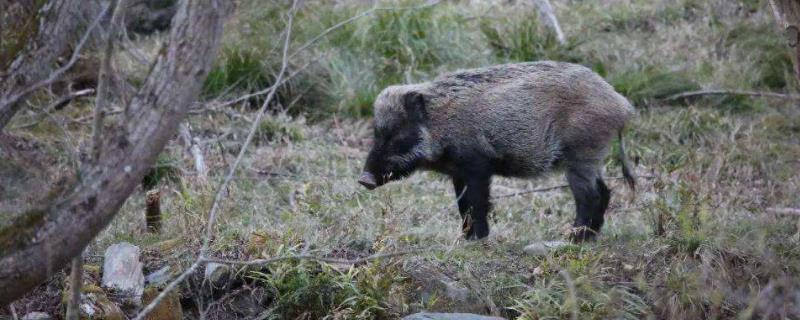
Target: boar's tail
[630,179]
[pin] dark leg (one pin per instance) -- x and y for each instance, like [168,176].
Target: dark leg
[591,200]
[473,203]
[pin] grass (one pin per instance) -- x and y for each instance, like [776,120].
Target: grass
[694,242]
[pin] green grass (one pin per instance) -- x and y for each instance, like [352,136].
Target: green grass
[694,242]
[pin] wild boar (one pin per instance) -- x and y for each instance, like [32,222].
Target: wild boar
[513,120]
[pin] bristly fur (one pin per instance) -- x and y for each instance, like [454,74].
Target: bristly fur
[516,120]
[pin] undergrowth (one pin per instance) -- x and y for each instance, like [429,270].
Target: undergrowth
[696,240]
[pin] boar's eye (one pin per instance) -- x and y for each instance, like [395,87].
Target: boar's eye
[380,134]
[403,143]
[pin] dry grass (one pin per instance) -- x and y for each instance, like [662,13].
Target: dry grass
[695,241]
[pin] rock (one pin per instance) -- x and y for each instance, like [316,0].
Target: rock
[544,247]
[249,304]
[36,316]
[168,309]
[217,274]
[122,272]
[448,316]
[446,293]
[98,306]
[159,277]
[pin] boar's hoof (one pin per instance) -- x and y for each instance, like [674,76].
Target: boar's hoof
[582,234]
[477,230]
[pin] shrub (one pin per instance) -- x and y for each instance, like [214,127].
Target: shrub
[523,38]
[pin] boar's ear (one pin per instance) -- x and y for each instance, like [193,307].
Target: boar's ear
[414,104]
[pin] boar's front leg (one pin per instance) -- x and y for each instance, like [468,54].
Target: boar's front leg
[472,194]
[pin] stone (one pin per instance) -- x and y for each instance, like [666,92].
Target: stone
[168,309]
[98,306]
[544,247]
[449,316]
[217,274]
[122,272]
[446,293]
[159,277]
[37,316]
[249,304]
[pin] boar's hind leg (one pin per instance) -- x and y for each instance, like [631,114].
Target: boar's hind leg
[591,199]
[472,194]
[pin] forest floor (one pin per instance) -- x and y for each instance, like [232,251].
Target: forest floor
[704,236]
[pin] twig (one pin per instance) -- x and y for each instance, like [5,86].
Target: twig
[785,211]
[62,102]
[104,79]
[691,94]
[265,91]
[560,186]
[546,13]
[193,146]
[58,104]
[60,71]
[212,216]
[13,311]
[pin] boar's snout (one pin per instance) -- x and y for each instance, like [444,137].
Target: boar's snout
[368,180]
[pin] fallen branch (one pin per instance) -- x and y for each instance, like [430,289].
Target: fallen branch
[784,211]
[692,94]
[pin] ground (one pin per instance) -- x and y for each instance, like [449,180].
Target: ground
[699,238]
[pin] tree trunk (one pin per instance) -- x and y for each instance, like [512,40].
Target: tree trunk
[42,240]
[61,26]
[787,15]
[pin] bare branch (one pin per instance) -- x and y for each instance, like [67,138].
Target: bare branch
[212,215]
[264,91]
[37,243]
